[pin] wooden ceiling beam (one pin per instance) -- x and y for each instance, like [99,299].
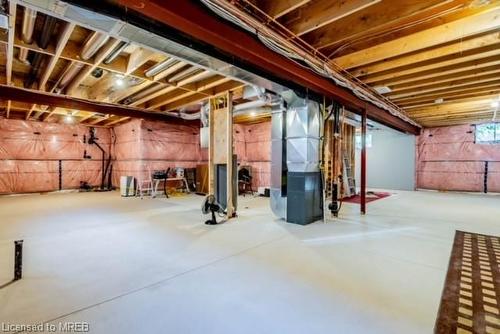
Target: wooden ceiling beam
[61,101]
[208,93]
[412,92]
[419,73]
[278,8]
[377,18]
[194,88]
[477,120]
[471,25]
[137,58]
[453,97]
[440,92]
[116,121]
[468,105]
[461,48]
[317,14]
[463,75]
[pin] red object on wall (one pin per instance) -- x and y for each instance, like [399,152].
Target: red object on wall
[449,159]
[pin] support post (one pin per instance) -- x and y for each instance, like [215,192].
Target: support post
[18,259]
[60,174]
[363,162]
[211,147]
[229,150]
[485,183]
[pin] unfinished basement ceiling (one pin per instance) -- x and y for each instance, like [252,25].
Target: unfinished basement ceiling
[49,54]
[437,60]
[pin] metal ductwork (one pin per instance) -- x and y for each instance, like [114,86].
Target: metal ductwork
[68,75]
[43,42]
[116,52]
[278,191]
[93,44]
[184,74]
[27,29]
[295,177]
[143,93]
[160,67]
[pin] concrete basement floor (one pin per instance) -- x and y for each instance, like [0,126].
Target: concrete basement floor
[127,265]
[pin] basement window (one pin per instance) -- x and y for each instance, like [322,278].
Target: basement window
[368,141]
[488,133]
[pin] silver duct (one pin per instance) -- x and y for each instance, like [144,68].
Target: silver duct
[143,93]
[278,160]
[303,136]
[68,75]
[27,29]
[93,43]
[90,48]
[160,67]
[295,139]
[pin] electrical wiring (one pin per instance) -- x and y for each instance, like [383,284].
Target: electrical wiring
[285,47]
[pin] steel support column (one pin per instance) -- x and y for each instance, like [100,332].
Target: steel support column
[363,162]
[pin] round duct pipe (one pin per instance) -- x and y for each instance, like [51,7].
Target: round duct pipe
[93,43]
[27,29]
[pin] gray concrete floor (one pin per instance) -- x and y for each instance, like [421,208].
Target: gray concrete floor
[126,265]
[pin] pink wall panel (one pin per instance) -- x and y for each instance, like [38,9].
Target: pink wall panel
[30,154]
[448,159]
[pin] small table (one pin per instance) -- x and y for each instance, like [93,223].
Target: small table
[156,183]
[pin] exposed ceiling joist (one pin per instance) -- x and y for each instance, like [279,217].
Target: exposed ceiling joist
[319,13]
[278,8]
[452,31]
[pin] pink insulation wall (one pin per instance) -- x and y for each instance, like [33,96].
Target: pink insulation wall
[144,146]
[252,144]
[448,159]
[30,153]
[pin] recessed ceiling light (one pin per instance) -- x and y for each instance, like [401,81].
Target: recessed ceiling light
[439,101]
[495,104]
[382,89]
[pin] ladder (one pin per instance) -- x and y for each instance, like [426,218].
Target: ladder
[348,179]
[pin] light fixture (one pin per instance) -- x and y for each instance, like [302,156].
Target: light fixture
[382,89]
[495,104]
[253,114]
[439,101]
[69,119]
[119,81]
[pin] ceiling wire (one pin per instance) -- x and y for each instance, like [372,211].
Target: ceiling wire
[288,48]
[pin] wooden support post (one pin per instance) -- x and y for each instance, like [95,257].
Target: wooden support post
[363,162]
[211,148]
[229,154]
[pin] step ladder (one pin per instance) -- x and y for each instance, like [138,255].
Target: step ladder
[348,179]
